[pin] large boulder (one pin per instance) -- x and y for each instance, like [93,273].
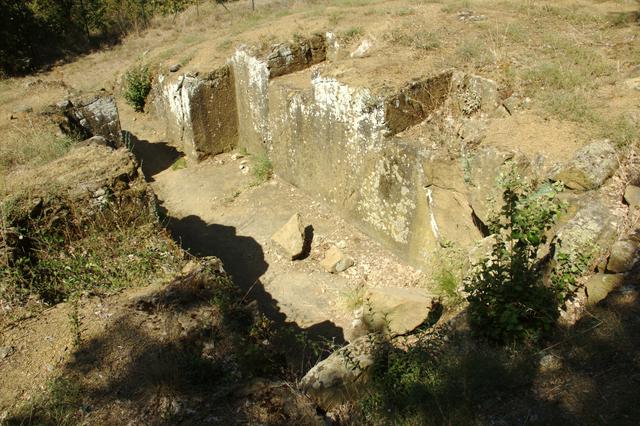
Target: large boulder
[599,286]
[624,255]
[590,167]
[591,231]
[392,311]
[93,116]
[343,375]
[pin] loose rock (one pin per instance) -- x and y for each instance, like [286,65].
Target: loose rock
[632,195]
[393,311]
[342,375]
[336,261]
[175,68]
[6,351]
[291,237]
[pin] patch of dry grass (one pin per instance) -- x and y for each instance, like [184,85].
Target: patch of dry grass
[31,142]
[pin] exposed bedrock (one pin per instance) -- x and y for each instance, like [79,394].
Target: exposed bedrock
[351,145]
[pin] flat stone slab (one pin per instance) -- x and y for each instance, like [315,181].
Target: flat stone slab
[309,298]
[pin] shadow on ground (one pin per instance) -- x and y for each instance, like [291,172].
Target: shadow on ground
[244,261]
[153,157]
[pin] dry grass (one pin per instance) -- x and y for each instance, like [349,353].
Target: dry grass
[31,142]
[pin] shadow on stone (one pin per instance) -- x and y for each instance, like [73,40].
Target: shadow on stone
[308,239]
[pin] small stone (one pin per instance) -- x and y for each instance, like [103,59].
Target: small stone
[236,156]
[632,195]
[100,140]
[336,261]
[341,244]
[23,109]
[633,83]
[342,375]
[6,351]
[175,68]
[291,237]
[362,49]
[64,104]
[550,363]
[624,255]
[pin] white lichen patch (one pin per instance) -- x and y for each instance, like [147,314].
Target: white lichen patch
[387,211]
[252,84]
[178,95]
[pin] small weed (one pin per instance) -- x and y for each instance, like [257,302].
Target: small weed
[405,11]
[262,168]
[179,164]
[335,18]
[226,44]
[622,131]
[137,86]
[59,405]
[354,299]
[569,105]
[551,75]
[471,50]
[414,37]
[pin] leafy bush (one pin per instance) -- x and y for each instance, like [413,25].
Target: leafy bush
[508,300]
[138,86]
[438,382]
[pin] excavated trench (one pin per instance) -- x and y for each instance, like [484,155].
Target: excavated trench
[347,145]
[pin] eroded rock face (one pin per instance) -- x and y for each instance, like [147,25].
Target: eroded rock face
[591,231]
[599,286]
[341,376]
[590,167]
[93,116]
[200,111]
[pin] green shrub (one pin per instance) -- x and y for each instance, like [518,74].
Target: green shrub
[508,300]
[138,86]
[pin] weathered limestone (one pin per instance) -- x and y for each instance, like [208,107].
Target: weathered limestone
[337,141]
[200,111]
[93,116]
[591,231]
[591,166]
